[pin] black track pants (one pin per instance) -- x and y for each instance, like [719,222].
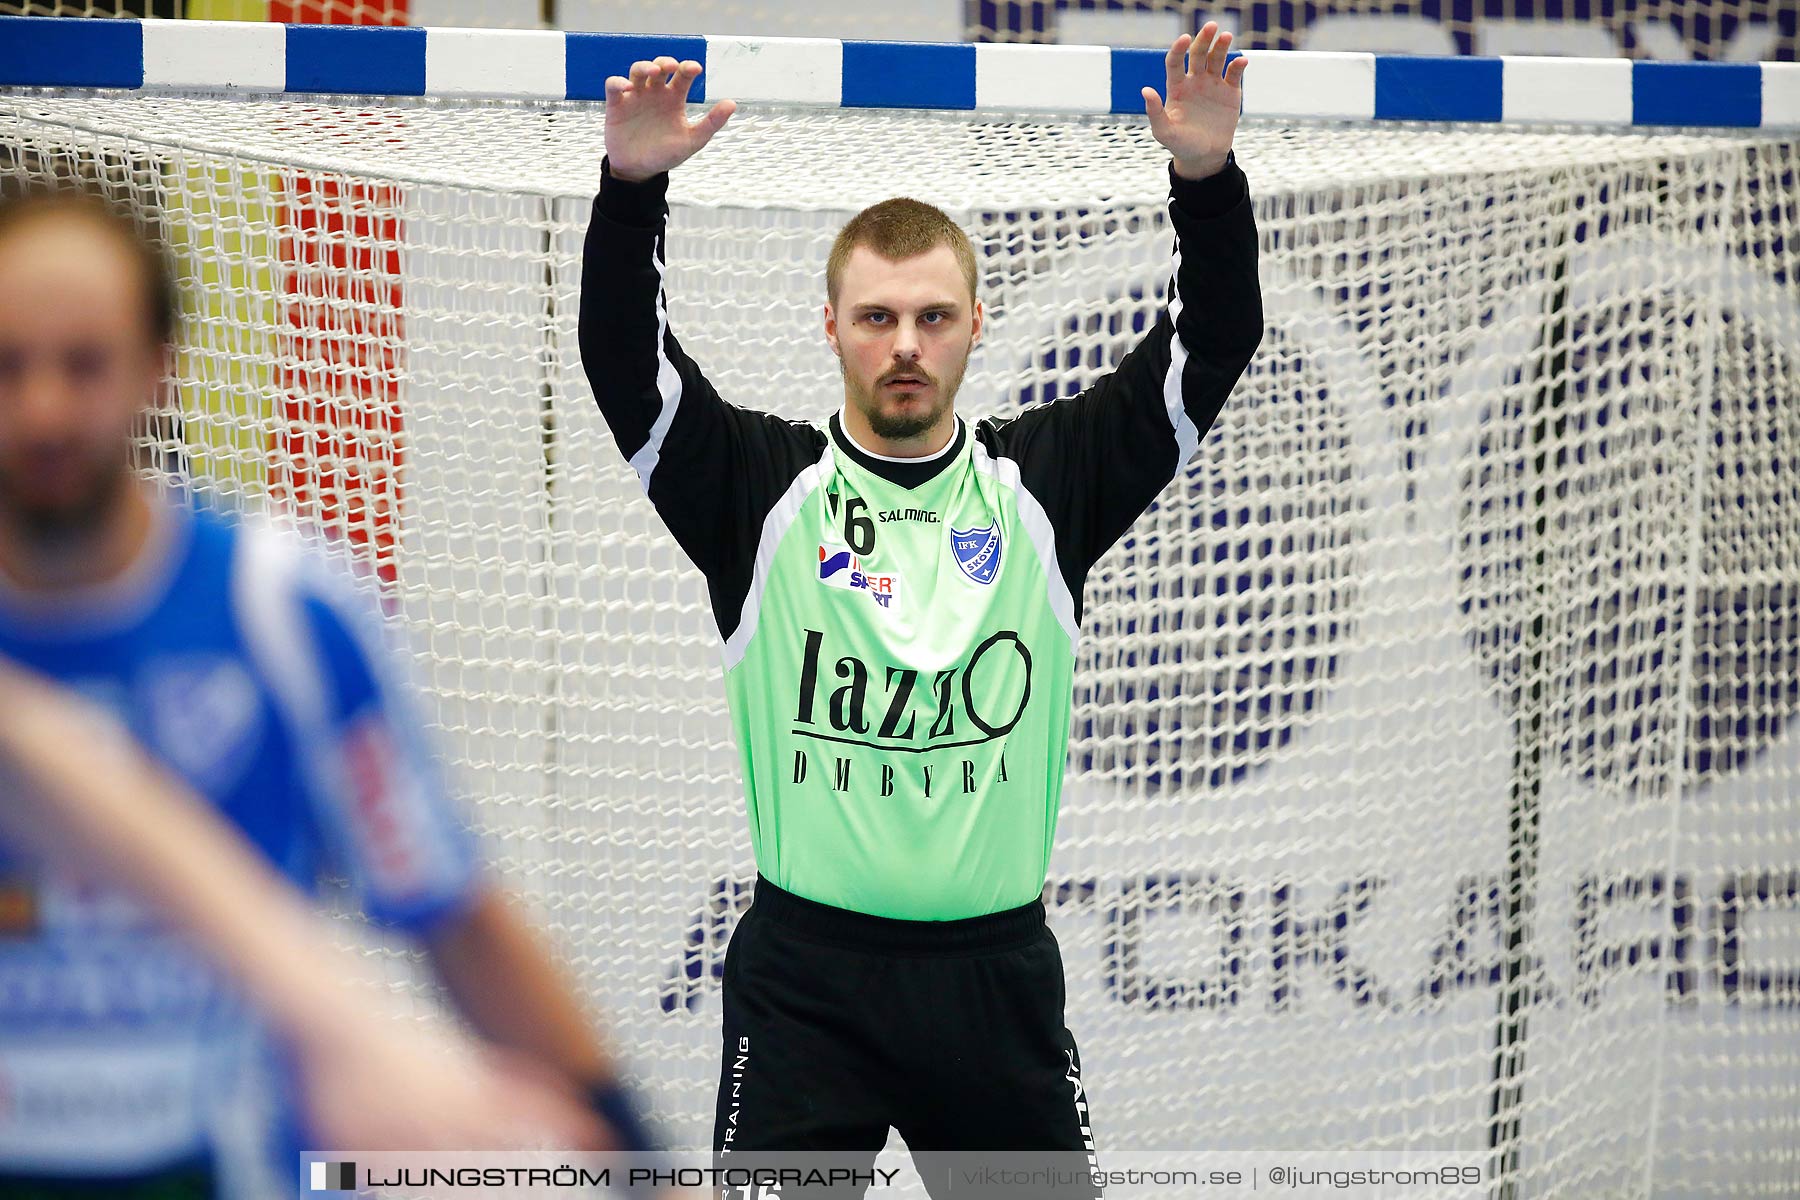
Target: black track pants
[839,1025]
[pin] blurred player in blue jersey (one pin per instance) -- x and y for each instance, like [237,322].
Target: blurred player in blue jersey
[84,795]
[256,676]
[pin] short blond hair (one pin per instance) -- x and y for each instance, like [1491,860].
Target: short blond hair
[899,229]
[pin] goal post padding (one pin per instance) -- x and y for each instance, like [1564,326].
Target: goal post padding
[1433,779]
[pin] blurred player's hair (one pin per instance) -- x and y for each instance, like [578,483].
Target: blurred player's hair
[96,191]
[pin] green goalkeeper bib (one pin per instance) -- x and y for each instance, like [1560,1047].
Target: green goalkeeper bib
[901,695]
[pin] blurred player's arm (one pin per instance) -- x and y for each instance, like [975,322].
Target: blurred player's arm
[81,794]
[385,811]
[505,981]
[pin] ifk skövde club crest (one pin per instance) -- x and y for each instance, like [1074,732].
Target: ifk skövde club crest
[977,551]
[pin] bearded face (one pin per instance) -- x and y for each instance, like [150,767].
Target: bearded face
[77,364]
[903,332]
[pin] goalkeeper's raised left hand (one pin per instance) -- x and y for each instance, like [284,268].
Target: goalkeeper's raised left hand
[1198,114]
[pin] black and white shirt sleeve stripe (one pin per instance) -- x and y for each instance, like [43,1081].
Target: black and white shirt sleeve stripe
[714,471]
[1095,461]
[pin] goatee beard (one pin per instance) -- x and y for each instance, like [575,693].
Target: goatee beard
[66,526]
[903,428]
[899,429]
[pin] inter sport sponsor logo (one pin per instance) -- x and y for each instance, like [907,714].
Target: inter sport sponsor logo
[844,569]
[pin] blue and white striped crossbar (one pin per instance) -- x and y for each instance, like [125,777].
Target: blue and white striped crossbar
[229,56]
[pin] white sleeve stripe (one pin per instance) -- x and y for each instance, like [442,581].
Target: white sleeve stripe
[668,387]
[276,636]
[1187,434]
[274,578]
[775,527]
[1042,535]
[263,588]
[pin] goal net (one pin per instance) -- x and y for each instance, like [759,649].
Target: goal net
[1434,780]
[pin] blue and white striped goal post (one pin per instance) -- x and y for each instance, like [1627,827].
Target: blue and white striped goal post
[245,57]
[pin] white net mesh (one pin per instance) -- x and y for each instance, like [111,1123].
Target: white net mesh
[1434,780]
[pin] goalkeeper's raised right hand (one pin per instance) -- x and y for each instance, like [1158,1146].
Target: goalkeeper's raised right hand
[647,130]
